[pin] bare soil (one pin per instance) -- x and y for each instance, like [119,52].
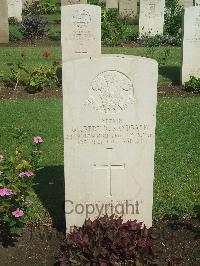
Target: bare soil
[21,93]
[175,242]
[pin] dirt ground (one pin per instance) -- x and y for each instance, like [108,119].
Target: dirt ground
[174,242]
[21,93]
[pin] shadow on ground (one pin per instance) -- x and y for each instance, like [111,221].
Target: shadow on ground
[171,72]
[50,189]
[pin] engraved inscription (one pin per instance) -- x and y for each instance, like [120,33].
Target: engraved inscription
[111,92]
[110,131]
[81,33]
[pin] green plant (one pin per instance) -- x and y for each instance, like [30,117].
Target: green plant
[161,57]
[48,8]
[159,40]
[15,34]
[54,35]
[16,180]
[32,8]
[40,77]
[173,17]
[34,80]
[107,241]
[113,28]
[34,27]
[193,85]
[13,21]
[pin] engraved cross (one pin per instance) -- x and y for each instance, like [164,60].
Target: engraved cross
[109,167]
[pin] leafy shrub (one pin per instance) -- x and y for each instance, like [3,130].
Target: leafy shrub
[159,40]
[100,3]
[48,8]
[113,28]
[34,27]
[161,56]
[34,80]
[54,35]
[107,241]
[32,8]
[13,21]
[173,17]
[193,85]
[41,77]
[16,181]
[15,34]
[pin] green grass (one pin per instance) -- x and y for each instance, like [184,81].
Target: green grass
[177,168]
[169,73]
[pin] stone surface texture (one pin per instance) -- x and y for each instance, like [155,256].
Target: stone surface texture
[151,20]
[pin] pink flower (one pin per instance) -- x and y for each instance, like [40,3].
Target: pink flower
[26,174]
[1,173]
[6,192]
[1,157]
[18,213]
[38,139]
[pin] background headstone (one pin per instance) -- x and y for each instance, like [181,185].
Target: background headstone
[197,2]
[191,44]
[186,3]
[72,2]
[128,8]
[15,9]
[151,21]
[112,3]
[109,106]
[4,28]
[81,31]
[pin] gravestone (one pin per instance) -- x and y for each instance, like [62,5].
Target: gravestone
[112,3]
[197,2]
[128,8]
[81,31]
[72,2]
[191,44]
[4,28]
[186,3]
[109,106]
[15,9]
[151,19]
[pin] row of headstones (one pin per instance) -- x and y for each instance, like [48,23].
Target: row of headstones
[10,8]
[151,17]
[191,41]
[109,107]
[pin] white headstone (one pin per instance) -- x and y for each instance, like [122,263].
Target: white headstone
[151,21]
[128,8]
[186,3]
[109,106]
[4,28]
[112,3]
[15,9]
[81,31]
[197,2]
[72,2]
[191,44]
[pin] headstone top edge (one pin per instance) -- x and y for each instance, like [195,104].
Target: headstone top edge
[81,5]
[115,57]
